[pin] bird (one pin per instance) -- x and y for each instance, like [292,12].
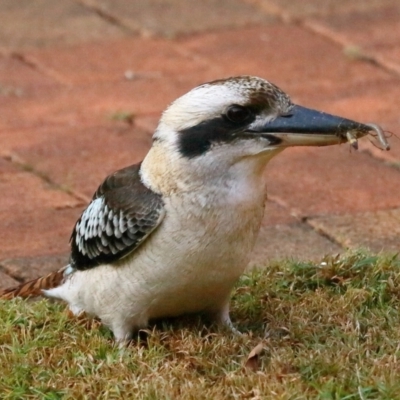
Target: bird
[172,234]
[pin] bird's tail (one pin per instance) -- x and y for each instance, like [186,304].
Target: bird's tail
[34,287]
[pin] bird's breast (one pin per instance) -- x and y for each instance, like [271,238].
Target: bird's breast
[188,264]
[201,249]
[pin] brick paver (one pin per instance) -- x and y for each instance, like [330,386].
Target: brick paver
[36,217]
[41,23]
[170,18]
[70,71]
[332,180]
[377,231]
[113,60]
[67,152]
[370,32]
[283,235]
[318,8]
[304,64]
[6,280]
[27,268]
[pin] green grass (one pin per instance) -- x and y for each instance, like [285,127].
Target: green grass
[123,116]
[330,331]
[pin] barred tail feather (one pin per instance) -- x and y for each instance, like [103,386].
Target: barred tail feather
[34,287]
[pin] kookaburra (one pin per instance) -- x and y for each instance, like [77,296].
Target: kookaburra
[172,234]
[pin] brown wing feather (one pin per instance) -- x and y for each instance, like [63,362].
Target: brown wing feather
[122,214]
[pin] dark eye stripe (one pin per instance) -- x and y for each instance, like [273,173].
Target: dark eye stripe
[197,140]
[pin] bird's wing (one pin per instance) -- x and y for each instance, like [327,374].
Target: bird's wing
[122,214]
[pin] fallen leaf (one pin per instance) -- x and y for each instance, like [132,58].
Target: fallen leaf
[253,360]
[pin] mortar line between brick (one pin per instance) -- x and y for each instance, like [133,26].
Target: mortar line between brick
[303,220]
[14,159]
[315,27]
[108,17]
[35,65]
[7,272]
[323,232]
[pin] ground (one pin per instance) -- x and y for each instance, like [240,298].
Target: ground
[83,83]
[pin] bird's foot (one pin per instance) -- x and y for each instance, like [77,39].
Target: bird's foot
[221,318]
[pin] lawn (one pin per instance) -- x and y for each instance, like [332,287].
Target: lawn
[329,330]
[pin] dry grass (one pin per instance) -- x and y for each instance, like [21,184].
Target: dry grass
[331,331]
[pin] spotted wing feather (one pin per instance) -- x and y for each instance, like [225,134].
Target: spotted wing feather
[122,214]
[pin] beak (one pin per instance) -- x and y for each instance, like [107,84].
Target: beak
[307,127]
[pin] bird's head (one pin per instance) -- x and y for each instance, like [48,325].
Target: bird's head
[249,114]
[226,121]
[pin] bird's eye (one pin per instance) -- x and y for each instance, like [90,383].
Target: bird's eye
[237,113]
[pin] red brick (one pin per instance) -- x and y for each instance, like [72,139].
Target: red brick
[39,23]
[297,60]
[29,268]
[276,214]
[301,9]
[94,104]
[36,219]
[148,123]
[24,137]
[297,241]
[109,61]
[6,281]
[334,179]
[172,17]
[19,84]
[283,236]
[371,33]
[7,167]
[79,159]
[78,106]
[15,74]
[378,231]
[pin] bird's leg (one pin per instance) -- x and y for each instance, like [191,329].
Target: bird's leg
[124,329]
[221,317]
[122,333]
[76,311]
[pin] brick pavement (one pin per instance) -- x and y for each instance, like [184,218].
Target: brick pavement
[71,70]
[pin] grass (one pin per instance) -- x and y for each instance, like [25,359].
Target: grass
[123,116]
[330,331]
